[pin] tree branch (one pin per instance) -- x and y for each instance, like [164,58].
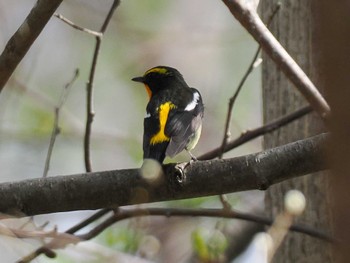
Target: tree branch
[252,134]
[122,214]
[24,37]
[125,187]
[83,29]
[56,128]
[251,21]
[253,64]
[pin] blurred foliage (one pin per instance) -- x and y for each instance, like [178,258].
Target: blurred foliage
[37,121]
[209,201]
[209,247]
[122,238]
[200,245]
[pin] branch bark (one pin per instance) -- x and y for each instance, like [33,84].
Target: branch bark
[124,187]
[21,41]
[251,21]
[252,134]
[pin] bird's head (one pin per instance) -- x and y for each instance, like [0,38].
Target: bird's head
[160,78]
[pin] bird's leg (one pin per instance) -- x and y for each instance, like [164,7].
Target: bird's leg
[182,167]
[193,158]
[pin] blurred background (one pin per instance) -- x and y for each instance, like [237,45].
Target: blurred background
[200,38]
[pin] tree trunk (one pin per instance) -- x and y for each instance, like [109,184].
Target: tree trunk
[334,39]
[294,26]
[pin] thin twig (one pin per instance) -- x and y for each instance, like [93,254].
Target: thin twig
[90,111]
[56,129]
[88,221]
[233,100]
[42,250]
[249,19]
[252,134]
[253,64]
[83,29]
[122,214]
[89,96]
[49,252]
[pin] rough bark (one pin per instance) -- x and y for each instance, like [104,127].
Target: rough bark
[334,42]
[294,26]
[124,187]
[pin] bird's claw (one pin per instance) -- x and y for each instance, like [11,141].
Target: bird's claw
[180,172]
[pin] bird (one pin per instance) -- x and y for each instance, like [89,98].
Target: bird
[174,113]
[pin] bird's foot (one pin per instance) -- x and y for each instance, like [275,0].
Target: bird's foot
[193,158]
[181,168]
[180,172]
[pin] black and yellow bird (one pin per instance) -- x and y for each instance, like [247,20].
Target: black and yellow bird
[174,113]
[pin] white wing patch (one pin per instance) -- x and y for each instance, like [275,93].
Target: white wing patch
[147,115]
[193,103]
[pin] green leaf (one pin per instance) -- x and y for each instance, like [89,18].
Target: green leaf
[199,245]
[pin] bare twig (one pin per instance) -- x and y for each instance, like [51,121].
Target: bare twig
[89,109]
[90,112]
[233,100]
[58,241]
[42,250]
[83,29]
[249,18]
[254,63]
[252,134]
[122,214]
[56,129]
[21,41]
[48,251]
[21,233]
[88,221]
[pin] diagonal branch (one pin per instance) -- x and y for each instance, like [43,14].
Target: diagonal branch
[253,64]
[252,134]
[24,37]
[251,21]
[124,187]
[83,29]
[56,128]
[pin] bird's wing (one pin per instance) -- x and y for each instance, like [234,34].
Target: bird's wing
[181,127]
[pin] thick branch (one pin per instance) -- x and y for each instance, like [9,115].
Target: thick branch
[24,37]
[124,187]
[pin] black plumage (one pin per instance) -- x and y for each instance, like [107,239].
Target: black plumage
[173,115]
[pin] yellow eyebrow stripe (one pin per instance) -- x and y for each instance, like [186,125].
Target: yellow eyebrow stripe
[163,112]
[156,70]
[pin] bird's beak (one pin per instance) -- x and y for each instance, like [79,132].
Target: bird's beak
[138,79]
